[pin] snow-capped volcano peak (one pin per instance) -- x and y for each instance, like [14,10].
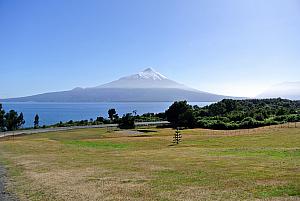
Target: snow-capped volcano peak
[148,78]
[150,73]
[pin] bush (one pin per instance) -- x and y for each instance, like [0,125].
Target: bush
[249,122]
[216,124]
[127,122]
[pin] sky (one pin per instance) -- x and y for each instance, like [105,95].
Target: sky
[229,47]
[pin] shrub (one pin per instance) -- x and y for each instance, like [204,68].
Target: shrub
[127,121]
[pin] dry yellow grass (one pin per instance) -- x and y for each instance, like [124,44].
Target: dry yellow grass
[93,164]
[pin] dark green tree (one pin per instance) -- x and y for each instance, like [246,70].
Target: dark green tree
[282,111]
[100,119]
[259,116]
[36,121]
[13,121]
[112,114]
[180,114]
[20,120]
[2,120]
[116,117]
[127,121]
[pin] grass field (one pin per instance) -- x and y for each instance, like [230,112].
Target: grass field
[94,164]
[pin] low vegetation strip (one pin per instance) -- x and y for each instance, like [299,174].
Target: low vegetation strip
[97,164]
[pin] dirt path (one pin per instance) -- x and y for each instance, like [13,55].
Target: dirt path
[4,196]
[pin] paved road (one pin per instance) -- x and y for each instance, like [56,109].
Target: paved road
[45,130]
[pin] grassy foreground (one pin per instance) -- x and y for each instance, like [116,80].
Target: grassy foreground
[94,164]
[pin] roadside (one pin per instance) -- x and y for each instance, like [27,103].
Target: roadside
[4,195]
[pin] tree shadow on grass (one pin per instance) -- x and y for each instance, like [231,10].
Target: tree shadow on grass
[146,131]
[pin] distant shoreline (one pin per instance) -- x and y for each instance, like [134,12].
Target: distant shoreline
[54,112]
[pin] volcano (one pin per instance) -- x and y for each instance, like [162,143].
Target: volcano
[145,86]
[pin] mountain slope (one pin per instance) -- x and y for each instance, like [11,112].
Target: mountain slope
[288,90]
[149,78]
[121,95]
[147,85]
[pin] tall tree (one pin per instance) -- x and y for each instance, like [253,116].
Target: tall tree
[11,120]
[20,120]
[2,120]
[36,121]
[112,114]
[180,114]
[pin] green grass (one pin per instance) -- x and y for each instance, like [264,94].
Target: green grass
[94,164]
[277,191]
[96,144]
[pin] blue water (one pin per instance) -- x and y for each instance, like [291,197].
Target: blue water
[51,113]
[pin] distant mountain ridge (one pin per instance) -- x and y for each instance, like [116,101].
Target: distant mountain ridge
[146,86]
[288,90]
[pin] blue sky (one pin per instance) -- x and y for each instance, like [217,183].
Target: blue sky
[230,47]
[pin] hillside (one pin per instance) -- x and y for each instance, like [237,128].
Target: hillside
[120,95]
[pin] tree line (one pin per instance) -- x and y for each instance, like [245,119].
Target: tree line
[226,114]
[234,114]
[13,121]
[126,121]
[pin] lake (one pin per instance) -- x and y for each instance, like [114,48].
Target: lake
[51,113]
